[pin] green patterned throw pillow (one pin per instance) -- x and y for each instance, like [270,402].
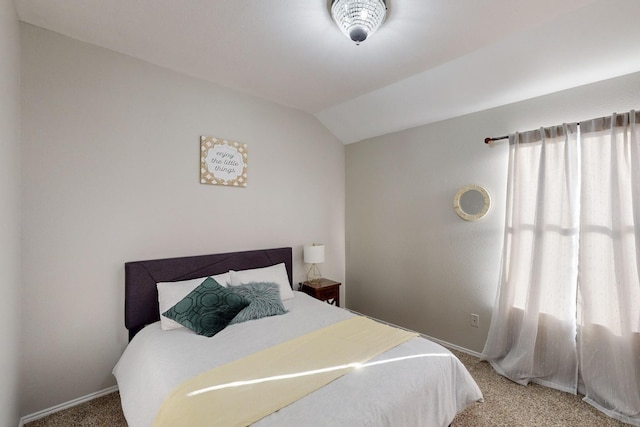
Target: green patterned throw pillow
[264,300]
[207,309]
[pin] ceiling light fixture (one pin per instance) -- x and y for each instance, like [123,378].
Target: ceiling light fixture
[358,19]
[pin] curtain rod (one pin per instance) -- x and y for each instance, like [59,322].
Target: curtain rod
[489,140]
[495,138]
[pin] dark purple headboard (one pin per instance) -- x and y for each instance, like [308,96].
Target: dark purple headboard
[140,278]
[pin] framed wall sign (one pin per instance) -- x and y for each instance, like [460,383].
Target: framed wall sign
[223,162]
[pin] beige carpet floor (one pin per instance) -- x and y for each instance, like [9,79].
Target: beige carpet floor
[511,405]
[505,404]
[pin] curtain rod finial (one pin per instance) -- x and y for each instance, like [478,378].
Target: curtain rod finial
[487,140]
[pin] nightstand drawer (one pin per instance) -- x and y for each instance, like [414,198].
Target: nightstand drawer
[324,290]
[328,293]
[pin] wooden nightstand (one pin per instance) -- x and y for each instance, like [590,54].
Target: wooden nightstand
[324,290]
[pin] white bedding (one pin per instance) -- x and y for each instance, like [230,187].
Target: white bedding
[427,388]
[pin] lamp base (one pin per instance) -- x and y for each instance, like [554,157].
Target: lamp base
[313,275]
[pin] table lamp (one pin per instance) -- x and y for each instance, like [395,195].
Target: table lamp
[314,255]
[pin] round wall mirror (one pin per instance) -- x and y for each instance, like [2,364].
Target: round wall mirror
[472,202]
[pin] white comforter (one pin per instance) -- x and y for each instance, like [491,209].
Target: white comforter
[425,385]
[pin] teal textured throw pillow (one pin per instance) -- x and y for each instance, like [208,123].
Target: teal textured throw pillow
[207,309]
[264,300]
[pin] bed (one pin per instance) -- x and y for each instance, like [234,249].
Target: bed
[426,385]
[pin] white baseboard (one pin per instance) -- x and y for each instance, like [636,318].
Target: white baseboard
[45,412]
[436,340]
[453,346]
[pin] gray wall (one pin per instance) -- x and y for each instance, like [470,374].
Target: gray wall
[9,213]
[410,259]
[110,170]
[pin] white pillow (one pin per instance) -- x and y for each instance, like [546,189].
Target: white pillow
[223,279]
[274,274]
[171,293]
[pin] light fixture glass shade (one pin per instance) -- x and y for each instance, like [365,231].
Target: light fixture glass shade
[358,19]
[314,254]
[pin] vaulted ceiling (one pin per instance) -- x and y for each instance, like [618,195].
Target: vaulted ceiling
[431,59]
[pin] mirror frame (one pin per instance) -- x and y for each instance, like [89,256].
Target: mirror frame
[469,216]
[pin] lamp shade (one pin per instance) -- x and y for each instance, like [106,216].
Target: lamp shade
[313,254]
[358,19]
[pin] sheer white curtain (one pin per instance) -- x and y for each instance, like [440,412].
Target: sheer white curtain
[568,306]
[609,285]
[533,327]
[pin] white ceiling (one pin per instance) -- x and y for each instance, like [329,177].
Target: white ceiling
[431,59]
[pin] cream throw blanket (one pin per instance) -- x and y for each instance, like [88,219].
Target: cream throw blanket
[242,392]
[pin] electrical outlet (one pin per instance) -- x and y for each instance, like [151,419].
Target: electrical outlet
[475,320]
